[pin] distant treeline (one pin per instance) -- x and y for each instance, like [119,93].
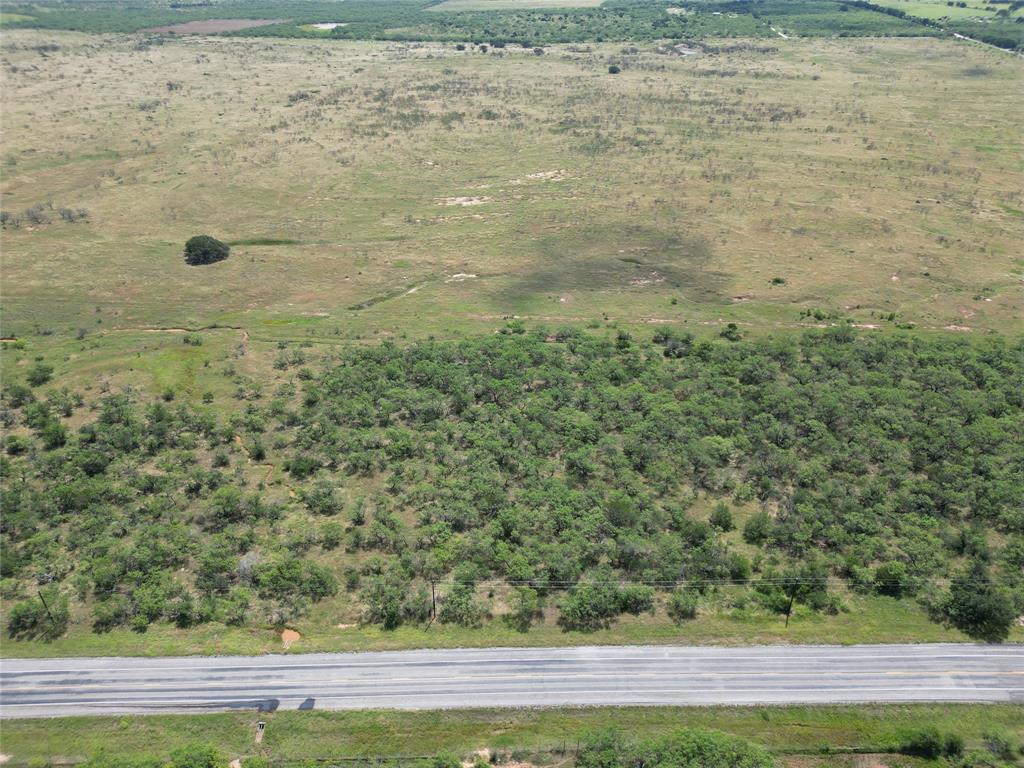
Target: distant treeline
[614,20]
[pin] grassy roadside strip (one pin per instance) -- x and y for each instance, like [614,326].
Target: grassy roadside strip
[538,736]
[869,619]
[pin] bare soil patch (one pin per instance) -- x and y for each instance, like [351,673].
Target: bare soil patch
[289,636]
[212,26]
[464,200]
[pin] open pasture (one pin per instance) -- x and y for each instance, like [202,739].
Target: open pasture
[395,190]
[387,188]
[377,190]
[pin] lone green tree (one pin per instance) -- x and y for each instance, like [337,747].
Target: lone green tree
[978,607]
[203,249]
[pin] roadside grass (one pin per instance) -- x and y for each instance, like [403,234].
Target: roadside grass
[868,620]
[540,736]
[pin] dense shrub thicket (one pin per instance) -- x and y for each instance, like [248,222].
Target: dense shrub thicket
[564,465]
[684,749]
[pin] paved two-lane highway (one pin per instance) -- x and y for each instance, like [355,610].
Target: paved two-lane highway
[515,677]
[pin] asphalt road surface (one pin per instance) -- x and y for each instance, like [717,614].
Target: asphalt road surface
[514,677]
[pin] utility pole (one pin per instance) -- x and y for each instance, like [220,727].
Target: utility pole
[433,600]
[789,609]
[43,601]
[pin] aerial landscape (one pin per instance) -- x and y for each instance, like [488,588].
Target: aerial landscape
[458,383]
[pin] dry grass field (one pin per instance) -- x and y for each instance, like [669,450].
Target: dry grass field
[375,189]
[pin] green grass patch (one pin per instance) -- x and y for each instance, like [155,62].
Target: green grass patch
[553,732]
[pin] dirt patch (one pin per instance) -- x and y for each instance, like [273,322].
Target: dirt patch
[458,277]
[558,175]
[464,200]
[212,26]
[962,328]
[651,279]
[288,637]
[869,761]
[346,626]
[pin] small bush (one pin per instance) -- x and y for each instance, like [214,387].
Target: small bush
[952,745]
[731,332]
[636,599]
[16,445]
[203,249]
[721,517]
[332,534]
[927,742]
[196,756]
[892,579]
[682,605]
[757,528]
[614,69]
[30,619]
[1000,746]
[459,607]
[39,374]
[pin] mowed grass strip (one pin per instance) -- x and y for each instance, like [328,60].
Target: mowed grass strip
[317,735]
